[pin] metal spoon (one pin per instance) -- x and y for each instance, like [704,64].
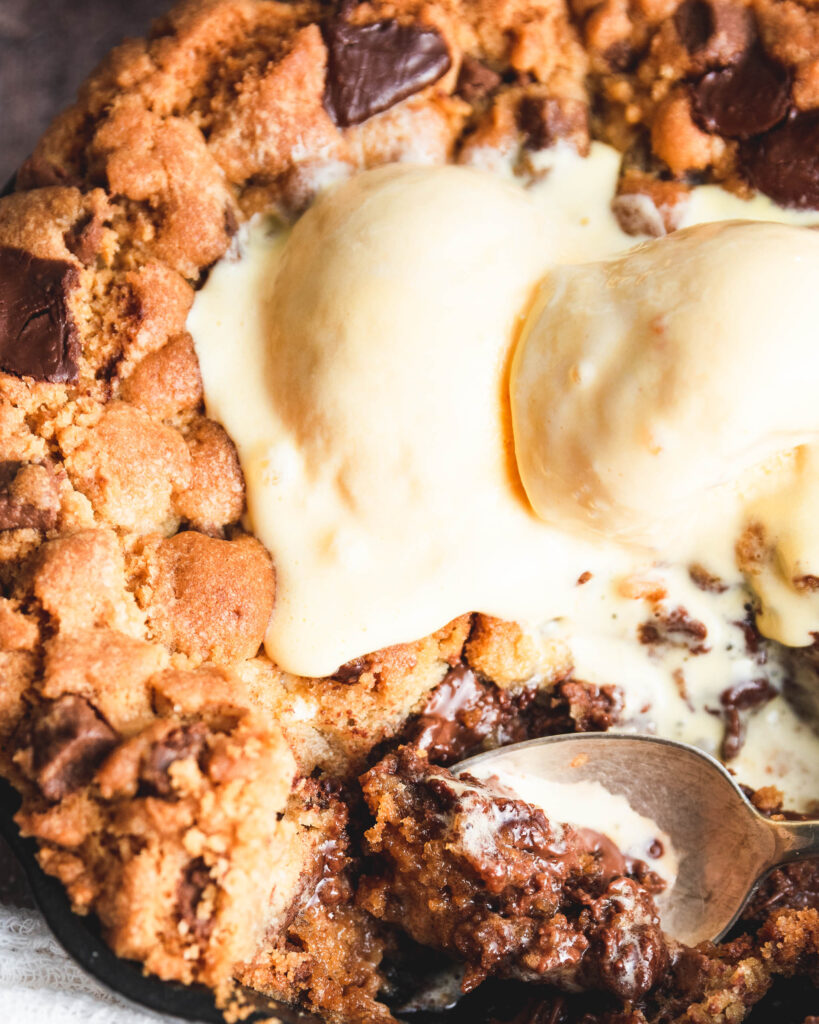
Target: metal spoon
[724,845]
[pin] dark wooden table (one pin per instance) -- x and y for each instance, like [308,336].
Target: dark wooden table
[47,47]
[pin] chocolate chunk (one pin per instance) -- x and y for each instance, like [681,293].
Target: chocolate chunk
[715,34]
[463,714]
[743,697]
[694,22]
[621,56]
[476,80]
[29,497]
[629,953]
[744,100]
[706,580]
[17,516]
[84,239]
[545,121]
[69,740]
[465,867]
[350,671]
[795,886]
[38,337]
[675,627]
[372,67]
[184,742]
[577,706]
[754,644]
[192,885]
[783,164]
[637,214]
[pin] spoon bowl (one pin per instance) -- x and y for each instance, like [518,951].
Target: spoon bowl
[724,846]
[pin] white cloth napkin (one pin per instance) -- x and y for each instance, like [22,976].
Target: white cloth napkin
[40,984]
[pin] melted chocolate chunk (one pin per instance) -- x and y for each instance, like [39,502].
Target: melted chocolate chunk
[487,878]
[184,742]
[744,100]
[715,33]
[458,715]
[69,740]
[85,238]
[463,714]
[195,880]
[794,887]
[476,80]
[694,22]
[743,697]
[545,121]
[20,482]
[677,628]
[706,580]
[351,671]
[628,954]
[783,163]
[38,337]
[621,56]
[372,67]
[754,643]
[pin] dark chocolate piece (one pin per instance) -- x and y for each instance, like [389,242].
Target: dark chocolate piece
[747,696]
[783,164]
[694,22]
[70,739]
[545,121]
[179,744]
[38,337]
[20,483]
[621,56]
[463,714]
[476,80]
[675,627]
[350,671]
[192,885]
[744,100]
[372,67]
[85,238]
[628,952]
[717,34]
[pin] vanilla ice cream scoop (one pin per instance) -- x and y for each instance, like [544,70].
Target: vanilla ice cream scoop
[644,381]
[369,405]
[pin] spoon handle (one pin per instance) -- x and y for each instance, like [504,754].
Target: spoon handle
[795,840]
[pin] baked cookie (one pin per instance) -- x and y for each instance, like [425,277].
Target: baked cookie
[231,816]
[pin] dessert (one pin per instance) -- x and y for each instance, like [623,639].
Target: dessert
[346,433]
